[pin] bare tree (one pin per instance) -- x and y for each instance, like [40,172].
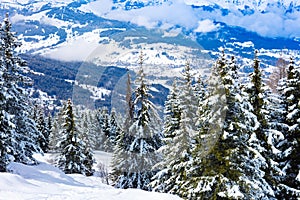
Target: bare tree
[278,73]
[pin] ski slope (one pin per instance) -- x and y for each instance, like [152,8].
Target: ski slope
[45,181]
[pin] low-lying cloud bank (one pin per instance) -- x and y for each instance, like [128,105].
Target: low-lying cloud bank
[273,21]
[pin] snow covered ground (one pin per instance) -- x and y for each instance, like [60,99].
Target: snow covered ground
[48,182]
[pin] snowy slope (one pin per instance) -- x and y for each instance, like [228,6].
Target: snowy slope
[47,182]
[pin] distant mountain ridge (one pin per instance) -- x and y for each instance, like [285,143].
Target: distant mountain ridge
[259,5]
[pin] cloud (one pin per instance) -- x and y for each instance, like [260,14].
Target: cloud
[271,24]
[274,22]
[206,26]
[98,7]
[268,24]
[177,13]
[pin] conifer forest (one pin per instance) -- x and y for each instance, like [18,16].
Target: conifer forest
[222,136]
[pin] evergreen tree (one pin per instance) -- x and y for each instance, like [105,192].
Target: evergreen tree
[87,138]
[172,117]
[119,161]
[89,121]
[106,130]
[6,124]
[223,164]
[141,142]
[49,128]
[200,91]
[266,137]
[55,130]
[179,131]
[73,156]
[21,133]
[42,127]
[256,98]
[6,131]
[93,128]
[290,183]
[275,133]
[84,128]
[102,128]
[88,161]
[129,101]
[201,94]
[179,155]
[172,113]
[188,98]
[114,130]
[210,112]
[35,112]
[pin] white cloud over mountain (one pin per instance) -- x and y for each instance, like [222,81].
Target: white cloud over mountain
[266,17]
[206,26]
[177,13]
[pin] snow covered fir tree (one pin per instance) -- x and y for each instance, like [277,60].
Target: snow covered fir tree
[136,153]
[42,126]
[179,130]
[172,117]
[75,156]
[289,186]
[19,134]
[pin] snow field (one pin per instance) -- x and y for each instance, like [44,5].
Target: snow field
[45,181]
